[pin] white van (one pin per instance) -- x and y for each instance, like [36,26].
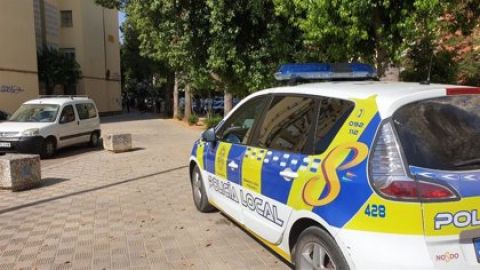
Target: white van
[43,125]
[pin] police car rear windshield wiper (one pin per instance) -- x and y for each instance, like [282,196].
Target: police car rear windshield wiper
[469,162]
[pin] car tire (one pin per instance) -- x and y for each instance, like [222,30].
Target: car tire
[49,148]
[94,139]
[316,249]
[198,191]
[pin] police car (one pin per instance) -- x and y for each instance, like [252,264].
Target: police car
[350,173]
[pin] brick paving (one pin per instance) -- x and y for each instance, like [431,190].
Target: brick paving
[99,210]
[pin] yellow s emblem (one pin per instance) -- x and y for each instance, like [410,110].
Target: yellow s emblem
[329,172]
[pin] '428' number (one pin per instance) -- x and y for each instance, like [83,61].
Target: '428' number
[376,210]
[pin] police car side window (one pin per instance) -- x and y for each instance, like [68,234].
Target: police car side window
[332,115]
[239,127]
[288,124]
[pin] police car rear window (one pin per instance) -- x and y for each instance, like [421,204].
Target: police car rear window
[441,133]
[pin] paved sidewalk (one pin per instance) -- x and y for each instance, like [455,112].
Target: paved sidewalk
[99,210]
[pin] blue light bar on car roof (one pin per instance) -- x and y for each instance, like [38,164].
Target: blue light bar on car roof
[317,71]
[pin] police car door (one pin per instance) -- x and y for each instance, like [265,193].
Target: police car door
[270,165]
[223,159]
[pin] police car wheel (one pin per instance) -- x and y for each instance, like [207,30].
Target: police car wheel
[199,194]
[316,249]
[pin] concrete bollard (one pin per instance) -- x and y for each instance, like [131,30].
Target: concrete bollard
[19,172]
[117,143]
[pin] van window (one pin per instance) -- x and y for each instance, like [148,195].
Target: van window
[331,117]
[441,133]
[35,113]
[86,111]
[239,127]
[92,111]
[68,115]
[82,111]
[287,124]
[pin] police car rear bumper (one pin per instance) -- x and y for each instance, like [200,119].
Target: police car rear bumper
[30,145]
[378,251]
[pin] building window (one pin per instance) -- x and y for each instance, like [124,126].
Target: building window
[66,18]
[69,52]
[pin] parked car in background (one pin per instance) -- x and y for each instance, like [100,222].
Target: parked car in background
[43,125]
[218,107]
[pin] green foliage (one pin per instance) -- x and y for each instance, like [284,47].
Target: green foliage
[237,45]
[363,30]
[248,43]
[213,120]
[443,69]
[117,4]
[174,32]
[447,35]
[55,68]
[142,76]
[193,119]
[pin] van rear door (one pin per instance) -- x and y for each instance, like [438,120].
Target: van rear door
[440,139]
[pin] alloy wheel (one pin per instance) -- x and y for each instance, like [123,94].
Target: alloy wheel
[197,188]
[316,257]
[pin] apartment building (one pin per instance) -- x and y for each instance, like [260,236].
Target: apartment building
[79,28]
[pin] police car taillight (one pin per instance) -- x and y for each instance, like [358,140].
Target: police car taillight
[463,91]
[389,176]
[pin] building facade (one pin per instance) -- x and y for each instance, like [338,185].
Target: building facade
[78,28]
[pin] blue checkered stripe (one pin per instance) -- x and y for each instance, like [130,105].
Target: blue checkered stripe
[274,185]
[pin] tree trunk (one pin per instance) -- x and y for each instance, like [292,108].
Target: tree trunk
[175,96]
[381,58]
[228,102]
[188,102]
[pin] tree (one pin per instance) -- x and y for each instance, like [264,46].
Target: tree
[112,4]
[141,76]
[248,43]
[56,68]
[446,42]
[174,31]
[365,30]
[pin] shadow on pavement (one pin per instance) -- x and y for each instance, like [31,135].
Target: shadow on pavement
[46,182]
[14,208]
[77,150]
[135,149]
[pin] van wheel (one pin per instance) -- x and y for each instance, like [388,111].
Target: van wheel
[94,139]
[199,194]
[49,148]
[316,249]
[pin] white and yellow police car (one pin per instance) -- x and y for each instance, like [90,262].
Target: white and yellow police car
[350,173]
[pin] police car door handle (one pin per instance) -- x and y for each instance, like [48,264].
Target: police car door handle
[289,174]
[233,165]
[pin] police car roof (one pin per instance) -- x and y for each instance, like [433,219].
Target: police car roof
[390,95]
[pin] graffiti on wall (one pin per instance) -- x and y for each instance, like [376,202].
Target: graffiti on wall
[11,89]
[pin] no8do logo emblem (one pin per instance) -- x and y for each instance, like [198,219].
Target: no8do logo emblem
[329,167]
